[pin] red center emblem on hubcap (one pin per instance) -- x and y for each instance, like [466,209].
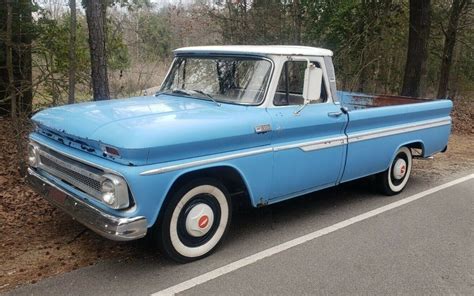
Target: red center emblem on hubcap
[402,170]
[203,221]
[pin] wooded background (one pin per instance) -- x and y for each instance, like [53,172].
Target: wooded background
[56,52]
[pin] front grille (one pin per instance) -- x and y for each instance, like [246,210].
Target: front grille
[94,184]
[82,177]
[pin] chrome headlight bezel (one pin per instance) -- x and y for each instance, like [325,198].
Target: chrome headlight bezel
[33,155]
[115,192]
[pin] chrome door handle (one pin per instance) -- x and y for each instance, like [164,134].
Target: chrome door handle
[264,128]
[335,114]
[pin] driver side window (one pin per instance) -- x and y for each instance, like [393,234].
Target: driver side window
[290,85]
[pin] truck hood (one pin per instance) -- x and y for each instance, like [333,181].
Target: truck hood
[152,129]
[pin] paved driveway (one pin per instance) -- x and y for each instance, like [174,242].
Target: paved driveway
[422,244]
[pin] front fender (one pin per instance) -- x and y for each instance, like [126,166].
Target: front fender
[153,188]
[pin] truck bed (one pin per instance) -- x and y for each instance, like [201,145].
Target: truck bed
[354,101]
[379,125]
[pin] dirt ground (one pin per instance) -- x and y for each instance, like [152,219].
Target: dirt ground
[38,241]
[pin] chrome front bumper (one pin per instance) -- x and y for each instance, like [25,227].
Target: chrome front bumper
[108,226]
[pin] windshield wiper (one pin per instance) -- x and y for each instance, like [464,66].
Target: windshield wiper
[172,91]
[207,95]
[181,91]
[189,93]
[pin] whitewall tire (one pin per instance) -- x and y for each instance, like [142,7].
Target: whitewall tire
[395,178]
[195,220]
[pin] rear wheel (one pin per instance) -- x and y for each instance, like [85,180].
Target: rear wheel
[394,180]
[194,221]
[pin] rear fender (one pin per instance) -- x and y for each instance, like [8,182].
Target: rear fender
[410,144]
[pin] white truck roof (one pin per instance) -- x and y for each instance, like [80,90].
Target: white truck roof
[258,50]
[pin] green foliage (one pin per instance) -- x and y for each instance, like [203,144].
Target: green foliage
[51,52]
[462,79]
[154,35]
[50,57]
[367,37]
[117,50]
[53,45]
[132,5]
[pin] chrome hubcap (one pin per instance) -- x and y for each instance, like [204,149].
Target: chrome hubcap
[199,220]
[399,169]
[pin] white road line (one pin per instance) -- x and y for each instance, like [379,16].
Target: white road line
[208,276]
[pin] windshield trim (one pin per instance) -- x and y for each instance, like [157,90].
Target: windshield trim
[200,55]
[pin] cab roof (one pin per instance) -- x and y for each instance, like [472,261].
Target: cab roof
[256,50]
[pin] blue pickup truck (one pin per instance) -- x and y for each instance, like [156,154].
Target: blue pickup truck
[258,124]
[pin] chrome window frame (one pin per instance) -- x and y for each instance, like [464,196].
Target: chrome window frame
[279,62]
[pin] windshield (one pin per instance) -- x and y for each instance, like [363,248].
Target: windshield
[237,80]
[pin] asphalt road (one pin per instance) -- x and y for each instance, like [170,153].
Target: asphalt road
[423,247]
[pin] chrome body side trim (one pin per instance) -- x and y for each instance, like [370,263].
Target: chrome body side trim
[362,136]
[309,145]
[314,145]
[108,226]
[204,161]
[324,144]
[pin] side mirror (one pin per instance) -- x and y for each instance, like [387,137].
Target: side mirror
[313,77]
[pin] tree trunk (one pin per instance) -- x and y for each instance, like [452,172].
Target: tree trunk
[449,43]
[15,49]
[417,53]
[72,52]
[24,23]
[297,22]
[95,21]
[9,62]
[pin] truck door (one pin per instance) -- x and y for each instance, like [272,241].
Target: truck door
[309,142]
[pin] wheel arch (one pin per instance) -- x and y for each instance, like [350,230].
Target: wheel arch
[413,144]
[231,177]
[418,144]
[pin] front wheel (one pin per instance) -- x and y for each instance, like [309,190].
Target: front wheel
[394,180]
[194,221]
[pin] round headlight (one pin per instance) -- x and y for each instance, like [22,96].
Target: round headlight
[114,191]
[33,155]
[108,192]
[107,186]
[109,198]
